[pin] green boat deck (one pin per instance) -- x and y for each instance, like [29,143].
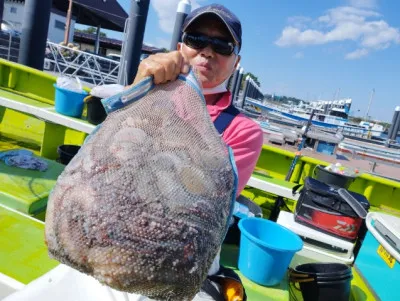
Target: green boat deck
[24,258]
[23,253]
[32,123]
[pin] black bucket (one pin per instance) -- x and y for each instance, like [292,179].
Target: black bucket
[332,178]
[96,113]
[67,152]
[233,235]
[323,281]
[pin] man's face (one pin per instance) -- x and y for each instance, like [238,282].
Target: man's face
[212,68]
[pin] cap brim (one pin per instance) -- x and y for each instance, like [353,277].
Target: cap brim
[220,17]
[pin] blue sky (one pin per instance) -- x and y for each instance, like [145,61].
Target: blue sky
[311,49]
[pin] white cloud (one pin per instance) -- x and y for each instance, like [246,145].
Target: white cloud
[166,11]
[357,54]
[347,14]
[362,26]
[163,43]
[298,55]
[299,21]
[294,36]
[149,44]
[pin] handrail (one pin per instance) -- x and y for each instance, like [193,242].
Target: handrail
[91,68]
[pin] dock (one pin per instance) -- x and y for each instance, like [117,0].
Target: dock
[382,169]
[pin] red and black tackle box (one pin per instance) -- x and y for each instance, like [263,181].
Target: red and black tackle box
[331,209]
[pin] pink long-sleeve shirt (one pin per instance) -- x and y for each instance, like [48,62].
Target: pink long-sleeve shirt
[245,138]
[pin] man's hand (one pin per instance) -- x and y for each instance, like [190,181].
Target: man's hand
[164,67]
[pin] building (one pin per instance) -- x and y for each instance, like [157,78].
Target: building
[108,46]
[104,14]
[14,13]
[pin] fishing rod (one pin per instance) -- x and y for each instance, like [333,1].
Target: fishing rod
[279,201]
[300,147]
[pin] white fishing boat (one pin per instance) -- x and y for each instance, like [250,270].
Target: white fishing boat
[328,114]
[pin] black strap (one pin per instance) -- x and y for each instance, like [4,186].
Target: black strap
[210,289]
[222,273]
[225,118]
[296,188]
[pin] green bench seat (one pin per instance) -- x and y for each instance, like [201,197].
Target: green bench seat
[27,190]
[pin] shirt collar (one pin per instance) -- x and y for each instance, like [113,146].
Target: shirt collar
[222,103]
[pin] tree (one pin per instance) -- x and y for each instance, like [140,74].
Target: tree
[252,76]
[92,30]
[283,99]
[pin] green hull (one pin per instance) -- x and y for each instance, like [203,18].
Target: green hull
[22,245]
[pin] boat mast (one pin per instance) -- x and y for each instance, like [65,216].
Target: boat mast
[369,104]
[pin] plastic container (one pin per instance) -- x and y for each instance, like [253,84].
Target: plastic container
[378,261]
[332,178]
[67,152]
[323,281]
[266,250]
[96,113]
[326,147]
[69,103]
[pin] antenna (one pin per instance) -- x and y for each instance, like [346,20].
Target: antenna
[369,104]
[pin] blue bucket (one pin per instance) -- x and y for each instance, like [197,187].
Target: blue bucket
[69,102]
[266,250]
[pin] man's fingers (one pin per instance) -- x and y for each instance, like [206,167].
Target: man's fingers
[158,71]
[185,68]
[169,64]
[163,67]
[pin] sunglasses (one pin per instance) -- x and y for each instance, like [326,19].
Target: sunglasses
[200,41]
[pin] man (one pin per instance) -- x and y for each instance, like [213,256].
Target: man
[211,41]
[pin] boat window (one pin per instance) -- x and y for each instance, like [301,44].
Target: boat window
[339,114]
[321,117]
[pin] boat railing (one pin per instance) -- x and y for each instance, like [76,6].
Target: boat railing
[90,68]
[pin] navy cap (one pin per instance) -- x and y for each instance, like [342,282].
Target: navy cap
[230,20]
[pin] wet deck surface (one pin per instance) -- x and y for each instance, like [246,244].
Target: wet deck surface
[382,169]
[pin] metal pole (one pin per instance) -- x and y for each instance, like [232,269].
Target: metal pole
[396,127]
[97,43]
[250,93]
[238,85]
[134,43]
[395,117]
[68,22]
[234,79]
[34,33]
[1,10]
[184,8]
[245,91]
[369,104]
